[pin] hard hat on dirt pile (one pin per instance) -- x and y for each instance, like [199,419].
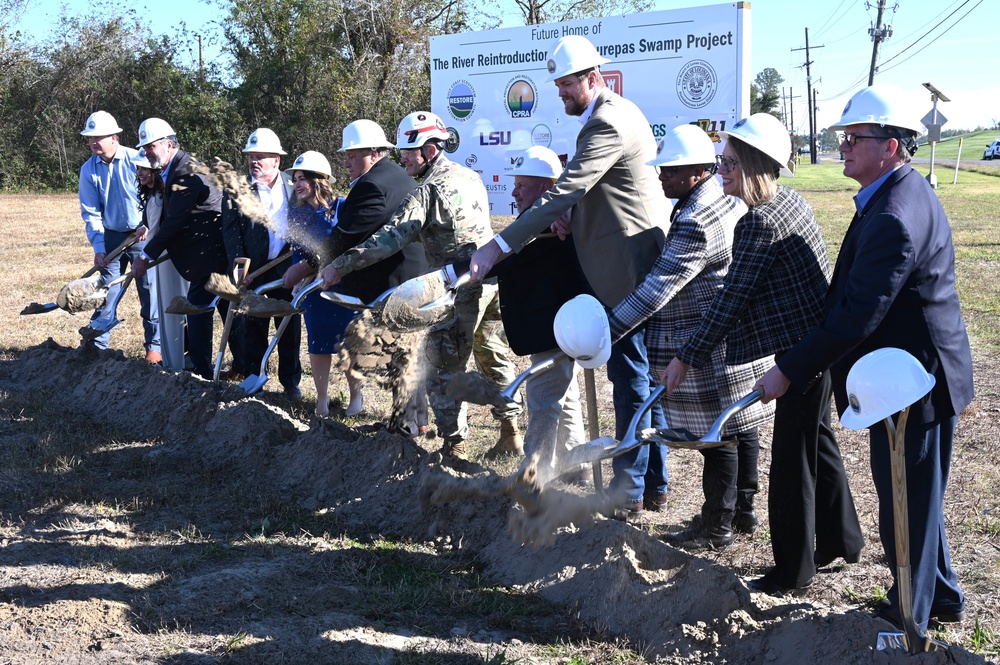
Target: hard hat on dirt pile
[879,105]
[313,161]
[572,54]
[153,129]
[684,145]
[882,383]
[101,123]
[264,140]
[418,128]
[141,160]
[582,331]
[363,134]
[538,161]
[765,133]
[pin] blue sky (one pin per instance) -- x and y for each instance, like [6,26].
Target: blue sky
[960,62]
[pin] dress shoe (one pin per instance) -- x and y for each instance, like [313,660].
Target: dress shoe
[153,357]
[745,522]
[889,612]
[766,584]
[698,537]
[293,393]
[654,502]
[824,561]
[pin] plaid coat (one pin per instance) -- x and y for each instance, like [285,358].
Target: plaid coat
[675,296]
[774,291]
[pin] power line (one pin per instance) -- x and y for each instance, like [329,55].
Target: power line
[917,40]
[936,38]
[832,14]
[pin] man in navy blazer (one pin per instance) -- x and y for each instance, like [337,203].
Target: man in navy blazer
[190,231]
[894,286]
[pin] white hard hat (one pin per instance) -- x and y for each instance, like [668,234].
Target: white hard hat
[153,129]
[141,160]
[881,384]
[765,133]
[572,54]
[313,161]
[538,161]
[264,140]
[684,145]
[419,127]
[582,331]
[100,123]
[363,134]
[879,105]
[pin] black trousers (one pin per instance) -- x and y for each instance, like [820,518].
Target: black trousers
[255,331]
[729,480]
[810,507]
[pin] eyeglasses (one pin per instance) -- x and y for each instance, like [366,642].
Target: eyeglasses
[851,139]
[669,170]
[726,164]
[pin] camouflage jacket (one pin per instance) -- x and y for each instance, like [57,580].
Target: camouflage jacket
[449,213]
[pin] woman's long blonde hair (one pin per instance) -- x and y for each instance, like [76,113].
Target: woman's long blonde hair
[758,173]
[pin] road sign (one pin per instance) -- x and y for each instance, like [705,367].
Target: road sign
[929,119]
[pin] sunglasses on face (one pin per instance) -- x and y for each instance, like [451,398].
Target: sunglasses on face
[851,139]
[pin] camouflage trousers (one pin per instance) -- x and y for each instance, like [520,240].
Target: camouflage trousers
[448,349]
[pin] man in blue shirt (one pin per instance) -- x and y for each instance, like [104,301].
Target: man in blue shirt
[109,205]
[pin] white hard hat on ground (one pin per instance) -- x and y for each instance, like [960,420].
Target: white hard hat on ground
[538,161]
[765,133]
[684,145]
[363,134]
[141,160]
[572,54]
[882,383]
[418,128]
[153,129]
[264,140]
[582,331]
[313,161]
[880,105]
[100,123]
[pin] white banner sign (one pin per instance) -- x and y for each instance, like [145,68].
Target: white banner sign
[679,66]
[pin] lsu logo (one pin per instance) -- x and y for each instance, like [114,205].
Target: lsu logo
[494,138]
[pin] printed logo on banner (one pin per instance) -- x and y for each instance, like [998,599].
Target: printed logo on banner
[614,80]
[541,135]
[696,84]
[521,96]
[451,145]
[494,138]
[471,160]
[461,100]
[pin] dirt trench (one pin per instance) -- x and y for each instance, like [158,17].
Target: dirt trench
[675,607]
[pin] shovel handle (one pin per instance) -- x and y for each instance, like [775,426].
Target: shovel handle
[130,240]
[264,268]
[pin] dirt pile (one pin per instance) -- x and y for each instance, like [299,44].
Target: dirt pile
[680,608]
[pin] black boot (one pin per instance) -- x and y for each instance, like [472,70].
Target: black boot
[745,520]
[700,536]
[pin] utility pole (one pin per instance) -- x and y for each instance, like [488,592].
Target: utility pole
[784,110]
[814,110]
[201,64]
[878,34]
[809,99]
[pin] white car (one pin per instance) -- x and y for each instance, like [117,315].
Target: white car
[992,150]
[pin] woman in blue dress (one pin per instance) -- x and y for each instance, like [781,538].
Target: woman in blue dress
[311,218]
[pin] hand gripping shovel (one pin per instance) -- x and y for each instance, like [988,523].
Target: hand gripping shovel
[606,447]
[104,324]
[253,384]
[38,308]
[240,267]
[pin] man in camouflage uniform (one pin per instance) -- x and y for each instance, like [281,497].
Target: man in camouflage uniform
[450,214]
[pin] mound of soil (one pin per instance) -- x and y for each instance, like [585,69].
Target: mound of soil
[680,608]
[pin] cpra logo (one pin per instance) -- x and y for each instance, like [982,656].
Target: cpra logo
[461,100]
[521,97]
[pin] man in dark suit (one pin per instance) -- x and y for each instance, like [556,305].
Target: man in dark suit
[243,236]
[190,231]
[894,286]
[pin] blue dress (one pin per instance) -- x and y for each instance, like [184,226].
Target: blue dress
[309,231]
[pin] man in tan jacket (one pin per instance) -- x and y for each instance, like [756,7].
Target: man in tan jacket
[616,217]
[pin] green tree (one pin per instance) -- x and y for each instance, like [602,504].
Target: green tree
[765,93]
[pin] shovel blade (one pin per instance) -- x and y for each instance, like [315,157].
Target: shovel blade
[253,384]
[587,453]
[39,308]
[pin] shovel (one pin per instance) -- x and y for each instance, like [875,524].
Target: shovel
[39,308]
[98,327]
[183,306]
[254,383]
[606,447]
[355,303]
[240,267]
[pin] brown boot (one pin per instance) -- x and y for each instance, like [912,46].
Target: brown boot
[455,449]
[510,442]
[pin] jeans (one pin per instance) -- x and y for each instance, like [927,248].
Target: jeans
[148,309]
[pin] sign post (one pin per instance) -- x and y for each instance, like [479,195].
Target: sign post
[933,121]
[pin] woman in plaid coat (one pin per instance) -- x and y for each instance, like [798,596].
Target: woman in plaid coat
[772,296]
[674,296]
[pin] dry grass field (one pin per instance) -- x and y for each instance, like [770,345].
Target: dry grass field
[153,518]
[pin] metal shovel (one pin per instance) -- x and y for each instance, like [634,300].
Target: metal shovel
[606,447]
[241,265]
[355,303]
[98,327]
[253,384]
[38,308]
